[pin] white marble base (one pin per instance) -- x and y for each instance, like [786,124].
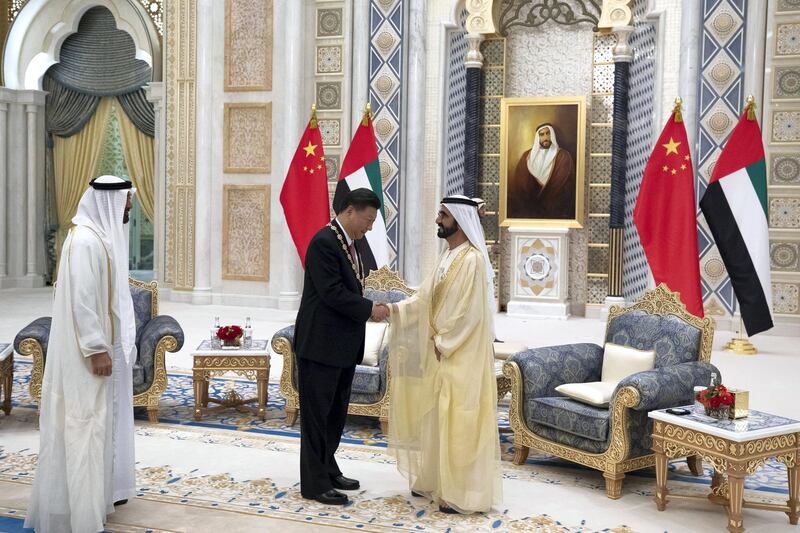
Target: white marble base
[539,272]
[22,282]
[559,310]
[202,296]
[289,301]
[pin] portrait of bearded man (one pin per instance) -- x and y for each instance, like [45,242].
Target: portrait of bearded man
[542,185]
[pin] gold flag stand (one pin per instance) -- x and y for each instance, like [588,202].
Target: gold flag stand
[740,345]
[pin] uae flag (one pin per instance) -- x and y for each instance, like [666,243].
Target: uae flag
[360,169]
[304,195]
[666,215]
[735,207]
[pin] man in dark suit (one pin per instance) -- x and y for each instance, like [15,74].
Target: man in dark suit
[329,343]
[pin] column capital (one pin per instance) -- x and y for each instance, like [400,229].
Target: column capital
[32,108]
[622,51]
[474,58]
[3,106]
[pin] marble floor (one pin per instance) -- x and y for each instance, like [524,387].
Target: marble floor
[770,376]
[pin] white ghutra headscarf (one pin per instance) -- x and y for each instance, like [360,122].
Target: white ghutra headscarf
[101,208]
[540,160]
[465,211]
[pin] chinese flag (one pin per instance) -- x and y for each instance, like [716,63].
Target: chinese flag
[665,215]
[304,195]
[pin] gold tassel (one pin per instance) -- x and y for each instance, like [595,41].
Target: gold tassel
[367,114]
[677,110]
[750,107]
[313,122]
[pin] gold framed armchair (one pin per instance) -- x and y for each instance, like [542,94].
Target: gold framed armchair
[155,335]
[614,439]
[369,395]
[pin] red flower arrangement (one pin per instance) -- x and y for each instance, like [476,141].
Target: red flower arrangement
[716,398]
[230,335]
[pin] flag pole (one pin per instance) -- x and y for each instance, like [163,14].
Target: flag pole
[313,122]
[742,345]
[365,118]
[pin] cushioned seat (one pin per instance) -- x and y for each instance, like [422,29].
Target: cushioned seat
[571,416]
[614,439]
[155,335]
[367,380]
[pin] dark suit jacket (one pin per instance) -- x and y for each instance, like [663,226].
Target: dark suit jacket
[333,314]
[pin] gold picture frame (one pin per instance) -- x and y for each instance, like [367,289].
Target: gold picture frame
[520,119]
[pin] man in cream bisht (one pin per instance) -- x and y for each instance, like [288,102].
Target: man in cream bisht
[86,461]
[443,409]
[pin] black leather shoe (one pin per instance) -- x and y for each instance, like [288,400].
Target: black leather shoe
[331,497]
[121,502]
[417,494]
[345,483]
[447,510]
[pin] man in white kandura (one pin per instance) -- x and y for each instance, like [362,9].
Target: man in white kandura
[443,409]
[86,457]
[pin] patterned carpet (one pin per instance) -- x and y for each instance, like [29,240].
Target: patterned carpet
[234,475]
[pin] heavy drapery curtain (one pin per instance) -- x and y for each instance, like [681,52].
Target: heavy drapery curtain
[138,150]
[74,163]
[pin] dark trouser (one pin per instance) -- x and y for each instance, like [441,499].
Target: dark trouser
[324,395]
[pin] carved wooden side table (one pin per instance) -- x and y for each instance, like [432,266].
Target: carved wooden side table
[6,375]
[251,363]
[735,448]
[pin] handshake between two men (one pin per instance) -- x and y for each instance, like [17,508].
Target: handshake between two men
[380,312]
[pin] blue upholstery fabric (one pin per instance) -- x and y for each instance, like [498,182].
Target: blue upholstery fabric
[142,301]
[571,416]
[669,386]
[568,439]
[39,329]
[149,337]
[544,369]
[367,380]
[391,296]
[674,340]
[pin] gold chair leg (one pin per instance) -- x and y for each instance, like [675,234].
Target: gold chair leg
[614,484]
[152,415]
[291,416]
[695,464]
[520,454]
[385,426]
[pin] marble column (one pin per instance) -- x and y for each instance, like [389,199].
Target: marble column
[755,43]
[413,192]
[3,190]
[623,55]
[292,119]
[472,126]
[32,160]
[360,69]
[689,73]
[201,292]
[155,95]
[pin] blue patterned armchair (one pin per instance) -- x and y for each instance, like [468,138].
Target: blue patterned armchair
[155,335]
[614,439]
[369,396]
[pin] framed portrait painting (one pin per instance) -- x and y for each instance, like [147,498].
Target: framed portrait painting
[542,152]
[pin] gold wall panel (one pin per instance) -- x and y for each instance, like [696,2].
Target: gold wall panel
[248,45]
[245,232]
[247,133]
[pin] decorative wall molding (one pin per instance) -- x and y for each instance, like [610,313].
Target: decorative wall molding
[181,36]
[245,232]
[720,104]
[247,138]
[248,45]
[387,97]
[565,12]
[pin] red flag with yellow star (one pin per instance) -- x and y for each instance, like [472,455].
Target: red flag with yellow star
[666,215]
[304,195]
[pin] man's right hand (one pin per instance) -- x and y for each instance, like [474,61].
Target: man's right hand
[380,312]
[101,364]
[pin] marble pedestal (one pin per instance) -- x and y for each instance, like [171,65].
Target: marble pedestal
[540,272]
